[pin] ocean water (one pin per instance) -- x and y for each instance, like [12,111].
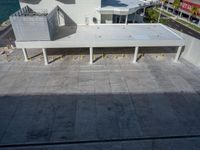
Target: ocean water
[7,7]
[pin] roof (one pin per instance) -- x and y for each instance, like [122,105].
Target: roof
[117,35]
[123,5]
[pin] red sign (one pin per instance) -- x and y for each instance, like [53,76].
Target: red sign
[187,6]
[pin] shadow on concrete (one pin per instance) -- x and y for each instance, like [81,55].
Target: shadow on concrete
[98,58]
[36,55]
[42,119]
[114,50]
[158,50]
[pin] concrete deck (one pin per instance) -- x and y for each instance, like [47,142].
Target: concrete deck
[112,104]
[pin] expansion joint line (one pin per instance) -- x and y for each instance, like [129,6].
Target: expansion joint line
[65,143]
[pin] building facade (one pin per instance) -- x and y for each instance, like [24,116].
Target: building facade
[94,11]
[188,4]
[185,9]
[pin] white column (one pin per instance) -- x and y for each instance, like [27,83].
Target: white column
[144,10]
[91,55]
[135,55]
[181,13]
[45,56]
[25,54]
[126,22]
[168,6]
[178,54]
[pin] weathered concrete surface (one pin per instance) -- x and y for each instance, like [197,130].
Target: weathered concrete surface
[118,104]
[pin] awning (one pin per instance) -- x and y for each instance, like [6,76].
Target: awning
[115,35]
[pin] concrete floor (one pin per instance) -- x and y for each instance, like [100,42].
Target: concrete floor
[113,104]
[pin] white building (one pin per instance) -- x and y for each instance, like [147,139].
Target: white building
[77,24]
[94,11]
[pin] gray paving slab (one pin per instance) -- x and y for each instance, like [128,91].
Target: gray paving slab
[71,101]
[177,144]
[129,126]
[86,125]
[63,127]
[150,110]
[106,118]
[4,67]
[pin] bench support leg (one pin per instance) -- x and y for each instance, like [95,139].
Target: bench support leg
[178,54]
[45,56]
[91,55]
[135,55]
[25,54]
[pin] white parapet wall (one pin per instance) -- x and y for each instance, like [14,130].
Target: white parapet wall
[192,49]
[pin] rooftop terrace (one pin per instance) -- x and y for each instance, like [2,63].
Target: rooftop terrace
[113,104]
